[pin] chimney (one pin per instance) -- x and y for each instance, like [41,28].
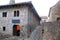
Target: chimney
[12,2]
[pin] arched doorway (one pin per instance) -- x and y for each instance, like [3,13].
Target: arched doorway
[16,30]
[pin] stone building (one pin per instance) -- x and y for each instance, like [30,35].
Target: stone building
[44,19]
[17,17]
[54,13]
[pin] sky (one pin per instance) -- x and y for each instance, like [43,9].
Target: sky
[42,6]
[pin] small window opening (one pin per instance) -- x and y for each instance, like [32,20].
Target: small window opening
[4,28]
[58,19]
[42,31]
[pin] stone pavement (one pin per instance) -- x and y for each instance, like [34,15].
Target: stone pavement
[15,38]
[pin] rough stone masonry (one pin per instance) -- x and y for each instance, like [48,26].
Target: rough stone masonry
[47,31]
[51,31]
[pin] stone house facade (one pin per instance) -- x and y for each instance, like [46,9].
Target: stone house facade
[23,15]
[54,13]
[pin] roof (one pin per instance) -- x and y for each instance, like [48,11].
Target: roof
[44,17]
[29,4]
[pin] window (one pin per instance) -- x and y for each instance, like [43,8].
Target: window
[42,31]
[4,28]
[4,14]
[58,19]
[16,13]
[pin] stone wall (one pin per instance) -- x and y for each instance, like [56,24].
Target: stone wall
[51,31]
[36,34]
[33,21]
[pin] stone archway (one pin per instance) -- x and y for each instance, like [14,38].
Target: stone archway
[16,30]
